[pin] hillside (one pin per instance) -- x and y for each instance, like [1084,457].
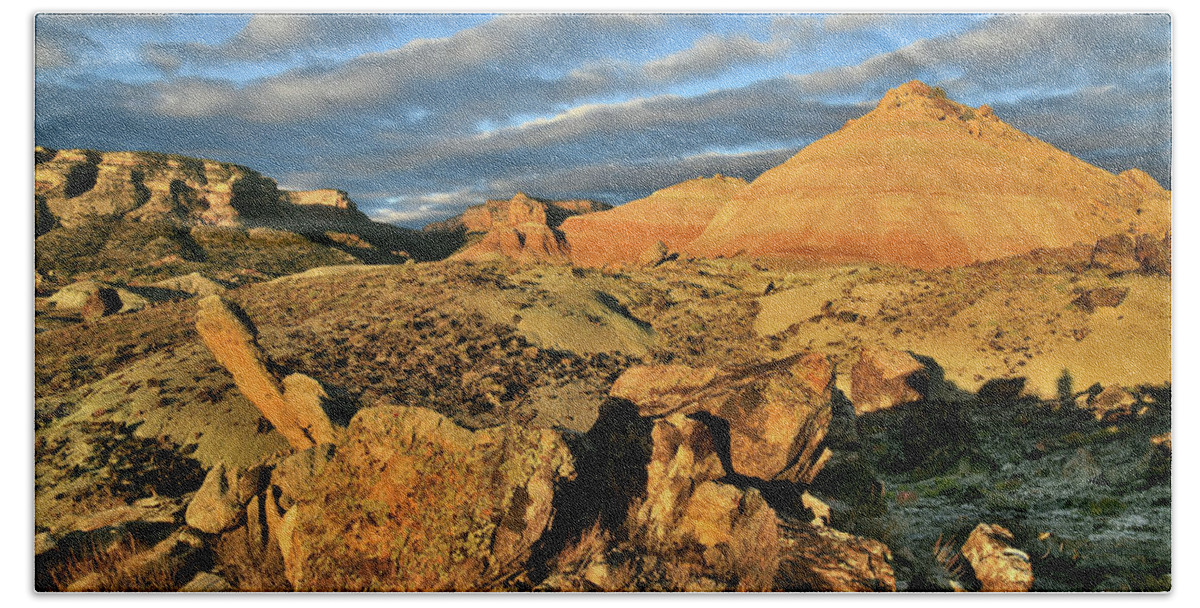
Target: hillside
[927,182]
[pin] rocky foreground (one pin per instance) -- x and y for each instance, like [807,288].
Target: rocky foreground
[492,426]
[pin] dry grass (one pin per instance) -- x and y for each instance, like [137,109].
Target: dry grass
[118,567]
[949,559]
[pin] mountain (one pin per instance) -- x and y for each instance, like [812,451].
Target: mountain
[144,215]
[674,215]
[522,228]
[927,182]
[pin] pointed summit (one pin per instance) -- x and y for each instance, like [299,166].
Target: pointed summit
[925,181]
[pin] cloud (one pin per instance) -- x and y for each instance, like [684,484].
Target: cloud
[606,107]
[273,37]
[712,55]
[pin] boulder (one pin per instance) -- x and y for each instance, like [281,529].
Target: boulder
[777,413]
[1091,299]
[821,511]
[734,528]
[293,407]
[997,565]
[206,582]
[818,558]
[217,506]
[1112,403]
[883,378]
[654,255]
[412,501]
[193,283]
[99,298]
[294,478]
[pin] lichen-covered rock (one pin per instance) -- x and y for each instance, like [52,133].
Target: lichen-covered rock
[883,378]
[293,407]
[777,412]
[411,501]
[816,558]
[998,566]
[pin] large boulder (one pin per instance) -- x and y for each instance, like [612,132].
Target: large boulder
[1109,404]
[412,501]
[997,565]
[777,413]
[733,528]
[883,378]
[293,406]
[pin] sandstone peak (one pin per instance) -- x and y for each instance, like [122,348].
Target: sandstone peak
[925,181]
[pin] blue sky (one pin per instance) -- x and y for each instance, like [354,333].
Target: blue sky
[418,116]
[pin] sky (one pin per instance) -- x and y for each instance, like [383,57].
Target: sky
[417,116]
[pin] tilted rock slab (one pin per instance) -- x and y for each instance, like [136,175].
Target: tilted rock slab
[998,566]
[412,501]
[778,412]
[293,407]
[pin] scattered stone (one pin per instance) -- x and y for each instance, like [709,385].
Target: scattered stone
[206,582]
[1092,299]
[1162,441]
[232,339]
[43,542]
[193,283]
[997,565]
[884,378]
[1082,467]
[412,501]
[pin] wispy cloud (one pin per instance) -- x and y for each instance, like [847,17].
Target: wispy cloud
[401,110]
